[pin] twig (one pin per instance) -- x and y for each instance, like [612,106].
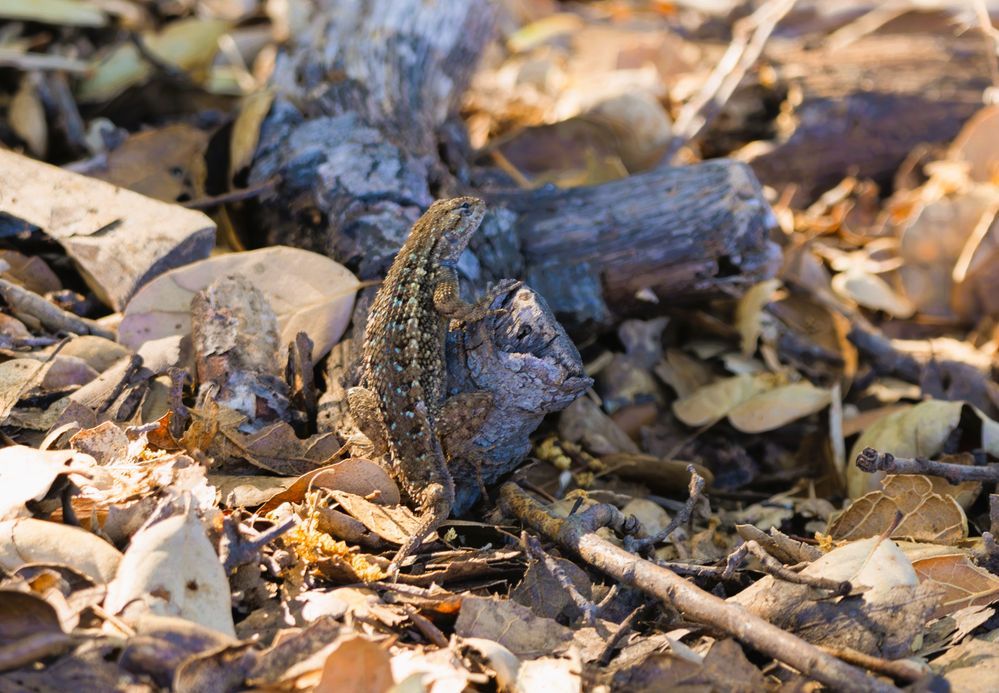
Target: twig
[14,343]
[239,551]
[232,196]
[533,547]
[772,566]
[991,40]
[696,487]
[749,36]
[51,316]
[579,535]
[870,460]
[899,669]
[426,627]
[622,630]
[134,364]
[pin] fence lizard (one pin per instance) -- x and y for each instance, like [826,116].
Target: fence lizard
[399,404]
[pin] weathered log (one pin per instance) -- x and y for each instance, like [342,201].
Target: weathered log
[666,236]
[862,108]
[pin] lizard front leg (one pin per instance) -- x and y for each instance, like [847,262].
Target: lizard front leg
[448,301]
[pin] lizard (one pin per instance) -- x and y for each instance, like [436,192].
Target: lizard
[399,403]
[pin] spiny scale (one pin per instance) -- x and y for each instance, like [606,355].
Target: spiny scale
[402,383]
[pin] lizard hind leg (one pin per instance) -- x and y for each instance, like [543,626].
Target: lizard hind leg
[436,501]
[460,420]
[363,405]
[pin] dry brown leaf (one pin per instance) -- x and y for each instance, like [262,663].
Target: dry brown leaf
[29,630]
[26,117]
[246,130]
[713,402]
[30,272]
[355,475]
[683,373]
[27,474]
[511,625]
[871,291]
[309,293]
[749,313]
[778,407]
[166,163]
[977,145]
[28,540]
[173,570]
[275,448]
[932,242]
[188,44]
[962,583]
[926,515]
[357,664]
[58,12]
[537,32]
[394,523]
[970,667]
[917,431]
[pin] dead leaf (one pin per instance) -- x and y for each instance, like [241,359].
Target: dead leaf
[871,291]
[777,407]
[188,44]
[961,583]
[355,475]
[28,540]
[512,625]
[749,312]
[166,163]
[976,144]
[713,402]
[357,664]
[173,570]
[26,116]
[917,431]
[275,448]
[29,630]
[27,474]
[246,130]
[926,515]
[58,12]
[309,293]
[394,523]
[971,667]
[117,238]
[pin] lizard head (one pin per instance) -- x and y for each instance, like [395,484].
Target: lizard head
[455,221]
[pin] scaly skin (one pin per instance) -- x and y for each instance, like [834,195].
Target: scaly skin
[401,392]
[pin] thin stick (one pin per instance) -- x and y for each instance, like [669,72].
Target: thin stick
[899,669]
[533,547]
[772,566]
[696,487]
[579,535]
[51,316]
[870,460]
[749,36]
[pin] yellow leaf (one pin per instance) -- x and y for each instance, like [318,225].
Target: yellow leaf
[712,402]
[775,408]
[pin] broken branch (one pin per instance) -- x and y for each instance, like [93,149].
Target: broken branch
[870,460]
[578,534]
